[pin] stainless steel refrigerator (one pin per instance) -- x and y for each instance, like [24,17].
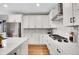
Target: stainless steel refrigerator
[13,29]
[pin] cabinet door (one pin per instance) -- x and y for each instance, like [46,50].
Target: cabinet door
[45,21]
[38,19]
[76,13]
[67,14]
[32,21]
[25,22]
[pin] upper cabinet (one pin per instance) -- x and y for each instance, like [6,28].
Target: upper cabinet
[32,21]
[14,18]
[76,13]
[35,21]
[70,14]
[38,21]
[25,21]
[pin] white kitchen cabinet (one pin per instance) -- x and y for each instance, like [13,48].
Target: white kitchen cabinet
[76,13]
[42,21]
[16,51]
[29,21]
[20,50]
[36,21]
[14,18]
[24,48]
[25,21]
[68,14]
[32,21]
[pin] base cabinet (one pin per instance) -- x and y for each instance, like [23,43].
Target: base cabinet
[21,50]
[15,52]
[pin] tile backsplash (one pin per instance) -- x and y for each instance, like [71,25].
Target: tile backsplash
[34,34]
[62,31]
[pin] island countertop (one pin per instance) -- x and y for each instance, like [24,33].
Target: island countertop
[12,43]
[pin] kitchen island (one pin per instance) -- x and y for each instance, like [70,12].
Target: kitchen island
[13,44]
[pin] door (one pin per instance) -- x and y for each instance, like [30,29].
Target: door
[67,14]
[37,49]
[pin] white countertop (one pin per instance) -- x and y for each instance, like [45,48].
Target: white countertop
[12,43]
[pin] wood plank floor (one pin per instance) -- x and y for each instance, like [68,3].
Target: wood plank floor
[34,49]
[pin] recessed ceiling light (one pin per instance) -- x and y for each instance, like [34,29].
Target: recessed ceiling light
[5,5]
[37,4]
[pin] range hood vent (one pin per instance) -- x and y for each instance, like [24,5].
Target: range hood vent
[59,15]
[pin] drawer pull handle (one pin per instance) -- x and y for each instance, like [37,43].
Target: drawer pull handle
[15,53]
[58,51]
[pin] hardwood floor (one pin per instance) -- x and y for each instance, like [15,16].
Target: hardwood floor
[34,49]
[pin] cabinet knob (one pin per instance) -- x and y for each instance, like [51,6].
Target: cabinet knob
[58,51]
[15,53]
[71,20]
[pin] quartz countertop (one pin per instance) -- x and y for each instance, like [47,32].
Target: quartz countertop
[12,43]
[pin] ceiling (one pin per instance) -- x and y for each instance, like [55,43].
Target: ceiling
[26,8]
